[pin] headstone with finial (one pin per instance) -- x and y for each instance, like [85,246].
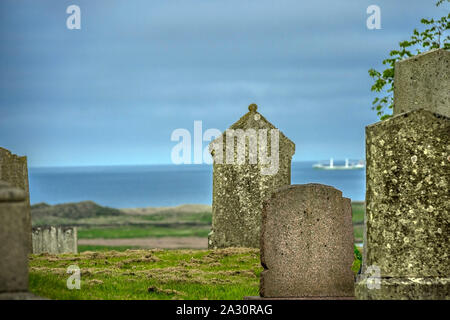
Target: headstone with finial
[251,160]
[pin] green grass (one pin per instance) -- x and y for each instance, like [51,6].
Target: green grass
[170,216]
[182,230]
[151,274]
[358,212]
[358,232]
[358,220]
[141,232]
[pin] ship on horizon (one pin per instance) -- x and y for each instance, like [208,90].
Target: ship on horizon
[347,166]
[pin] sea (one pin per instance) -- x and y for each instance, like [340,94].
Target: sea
[162,185]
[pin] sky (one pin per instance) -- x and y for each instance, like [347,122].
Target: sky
[113,92]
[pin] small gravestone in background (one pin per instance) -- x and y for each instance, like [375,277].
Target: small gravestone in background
[14,170]
[307,244]
[407,218]
[14,246]
[240,188]
[54,240]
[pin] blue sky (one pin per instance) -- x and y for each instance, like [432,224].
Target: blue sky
[113,92]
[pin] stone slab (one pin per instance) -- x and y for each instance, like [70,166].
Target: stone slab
[20,296]
[407,219]
[14,246]
[14,170]
[55,240]
[405,289]
[307,243]
[423,81]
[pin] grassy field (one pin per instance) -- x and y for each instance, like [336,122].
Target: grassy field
[358,220]
[171,223]
[97,222]
[129,272]
[151,274]
[142,232]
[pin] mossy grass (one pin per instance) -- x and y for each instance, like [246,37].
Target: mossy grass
[151,274]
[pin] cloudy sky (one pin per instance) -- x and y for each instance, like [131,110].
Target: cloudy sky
[114,91]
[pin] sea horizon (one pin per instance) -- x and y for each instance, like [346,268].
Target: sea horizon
[160,185]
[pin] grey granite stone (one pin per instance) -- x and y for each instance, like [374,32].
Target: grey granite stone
[307,244]
[423,82]
[13,239]
[14,170]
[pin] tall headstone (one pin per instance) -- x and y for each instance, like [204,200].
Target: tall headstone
[307,244]
[407,218]
[251,160]
[14,170]
[423,82]
[13,239]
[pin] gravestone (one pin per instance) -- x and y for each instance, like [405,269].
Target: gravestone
[14,170]
[54,240]
[423,82]
[242,178]
[14,241]
[307,244]
[407,218]
[407,208]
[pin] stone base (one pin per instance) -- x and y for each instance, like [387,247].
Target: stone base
[298,298]
[405,289]
[20,296]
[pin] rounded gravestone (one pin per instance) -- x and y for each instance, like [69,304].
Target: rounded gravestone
[307,243]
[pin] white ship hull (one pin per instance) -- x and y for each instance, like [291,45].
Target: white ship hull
[347,166]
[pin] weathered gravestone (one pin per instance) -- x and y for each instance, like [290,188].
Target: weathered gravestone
[55,240]
[14,242]
[307,244]
[407,218]
[423,82]
[14,170]
[251,160]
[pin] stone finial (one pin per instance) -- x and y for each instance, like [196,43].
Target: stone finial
[253,107]
[423,82]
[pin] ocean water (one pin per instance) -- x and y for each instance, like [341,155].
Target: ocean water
[161,185]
